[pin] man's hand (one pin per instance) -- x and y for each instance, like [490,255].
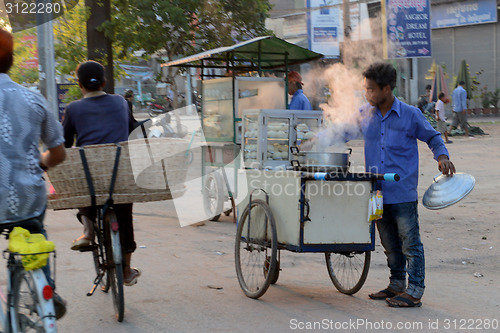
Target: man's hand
[445,165]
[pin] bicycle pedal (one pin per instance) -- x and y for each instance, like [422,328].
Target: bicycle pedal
[86,248]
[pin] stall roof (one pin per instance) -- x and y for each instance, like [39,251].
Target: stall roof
[271,51]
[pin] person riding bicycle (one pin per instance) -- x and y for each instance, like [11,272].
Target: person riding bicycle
[100,118]
[25,120]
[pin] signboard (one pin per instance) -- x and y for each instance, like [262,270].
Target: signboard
[464,13]
[406,28]
[323,27]
[29,44]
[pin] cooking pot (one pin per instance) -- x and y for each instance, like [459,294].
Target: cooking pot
[313,160]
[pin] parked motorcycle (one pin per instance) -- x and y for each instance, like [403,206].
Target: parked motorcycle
[156,109]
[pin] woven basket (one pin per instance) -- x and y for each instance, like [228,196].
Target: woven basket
[149,170]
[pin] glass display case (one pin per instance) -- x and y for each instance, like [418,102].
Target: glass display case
[269,134]
[217,111]
[223,104]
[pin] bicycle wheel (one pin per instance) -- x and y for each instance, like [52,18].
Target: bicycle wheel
[30,312]
[114,262]
[256,240]
[348,270]
[213,196]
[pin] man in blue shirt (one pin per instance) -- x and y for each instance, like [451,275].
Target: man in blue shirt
[391,129]
[459,105]
[299,100]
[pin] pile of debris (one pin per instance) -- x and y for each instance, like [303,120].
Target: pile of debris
[474,130]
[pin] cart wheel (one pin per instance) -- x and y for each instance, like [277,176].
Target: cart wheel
[256,240]
[213,196]
[274,278]
[348,270]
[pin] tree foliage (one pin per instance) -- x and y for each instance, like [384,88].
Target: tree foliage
[70,34]
[174,28]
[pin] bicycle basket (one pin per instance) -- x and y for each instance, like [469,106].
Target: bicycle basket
[34,249]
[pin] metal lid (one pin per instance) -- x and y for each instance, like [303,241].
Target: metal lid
[448,190]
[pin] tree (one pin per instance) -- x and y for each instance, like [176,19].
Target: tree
[174,28]
[70,34]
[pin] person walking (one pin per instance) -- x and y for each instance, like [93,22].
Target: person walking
[459,97]
[391,129]
[100,118]
[25,120]
[441,118]
[299,100]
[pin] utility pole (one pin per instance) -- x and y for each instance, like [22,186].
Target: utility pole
[99,47]
[46,62]
[347,19]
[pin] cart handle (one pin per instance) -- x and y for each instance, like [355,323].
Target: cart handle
[392,177]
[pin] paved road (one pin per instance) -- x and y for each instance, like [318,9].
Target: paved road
[189,282]
[189,285]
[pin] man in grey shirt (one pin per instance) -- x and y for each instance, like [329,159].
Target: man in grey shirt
[24,122]
[459,105]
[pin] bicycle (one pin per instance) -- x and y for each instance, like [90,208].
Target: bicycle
[28,305]
[106,248]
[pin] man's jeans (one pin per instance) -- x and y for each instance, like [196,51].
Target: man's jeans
[400,236]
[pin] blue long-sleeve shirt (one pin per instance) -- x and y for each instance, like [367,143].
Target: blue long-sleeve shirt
[391,146]
[459,99]
[299,101]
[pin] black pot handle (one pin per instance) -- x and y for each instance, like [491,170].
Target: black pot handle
[349,150]
[294,150]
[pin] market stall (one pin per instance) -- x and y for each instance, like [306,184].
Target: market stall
[249,75]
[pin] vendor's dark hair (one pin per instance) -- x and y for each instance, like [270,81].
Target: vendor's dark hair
[6,51]
[91,75]
[441,94]
[428,87]
[382,73]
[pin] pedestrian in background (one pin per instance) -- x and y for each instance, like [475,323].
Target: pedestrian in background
[459,105]
[441,118]
[299,100]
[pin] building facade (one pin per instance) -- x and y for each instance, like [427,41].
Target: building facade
[461,30]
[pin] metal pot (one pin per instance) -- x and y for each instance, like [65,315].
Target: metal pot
[318,160]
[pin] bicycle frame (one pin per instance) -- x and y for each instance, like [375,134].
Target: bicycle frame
[44,307]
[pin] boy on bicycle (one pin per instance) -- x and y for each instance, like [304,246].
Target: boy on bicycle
[25,121]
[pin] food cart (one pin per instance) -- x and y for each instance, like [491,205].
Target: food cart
[252,79]
[301,202]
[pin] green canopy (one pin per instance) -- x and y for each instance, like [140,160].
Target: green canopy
[463,75]
[259,53]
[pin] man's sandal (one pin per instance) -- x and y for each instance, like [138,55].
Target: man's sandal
[383,294]
[134,279]
[406,302]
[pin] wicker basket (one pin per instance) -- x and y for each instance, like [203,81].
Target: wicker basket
[149,170]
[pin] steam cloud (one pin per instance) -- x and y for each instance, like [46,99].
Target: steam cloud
[345,83]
